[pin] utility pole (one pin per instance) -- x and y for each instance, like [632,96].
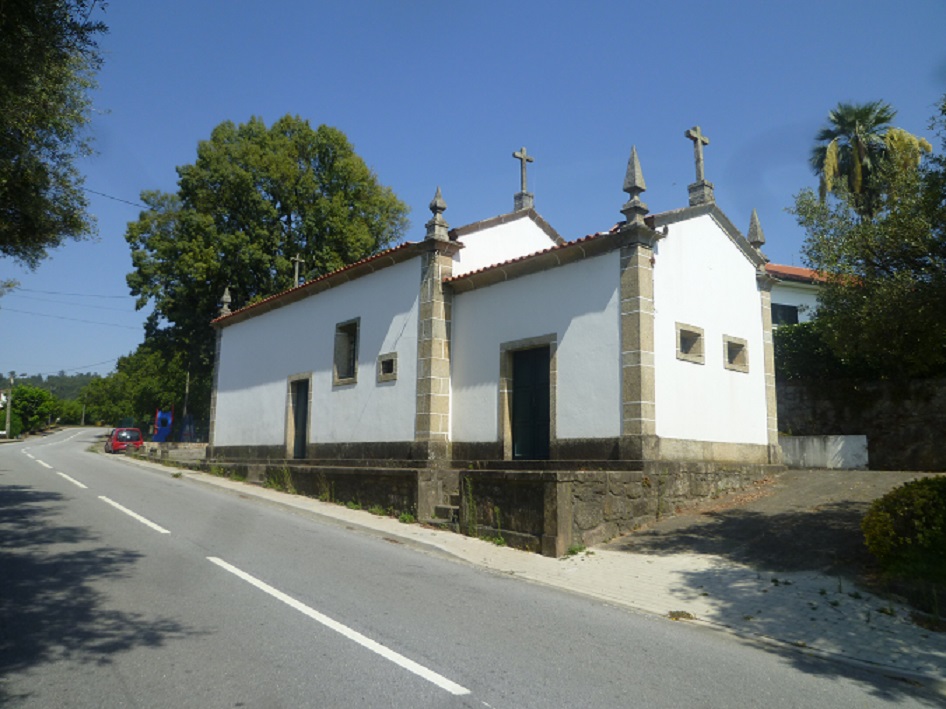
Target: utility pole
[10,405]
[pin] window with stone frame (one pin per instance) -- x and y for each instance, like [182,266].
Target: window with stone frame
[346,352]
[690,343]
[387,367]
[735,354]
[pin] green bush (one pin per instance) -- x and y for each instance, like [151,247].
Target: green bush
[906,530]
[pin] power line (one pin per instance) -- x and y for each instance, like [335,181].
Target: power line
[117,199]
[69,303]
[74,369]
[63,317]
[71,295]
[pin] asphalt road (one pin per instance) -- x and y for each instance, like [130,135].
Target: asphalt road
[122,586]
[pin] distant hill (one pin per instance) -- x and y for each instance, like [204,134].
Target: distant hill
[62,386]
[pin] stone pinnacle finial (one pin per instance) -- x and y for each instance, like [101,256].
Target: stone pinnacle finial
[701,191]
[634,209]
[437,226]
[756,235]
[225,301]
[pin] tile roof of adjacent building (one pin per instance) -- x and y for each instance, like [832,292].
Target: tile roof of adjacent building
[798,274]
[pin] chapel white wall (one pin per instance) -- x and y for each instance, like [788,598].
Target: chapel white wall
[702,279]
[258,355]
[499,244]
[579,304]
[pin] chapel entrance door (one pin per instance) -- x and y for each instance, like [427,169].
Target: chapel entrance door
[530,403]
[298,417]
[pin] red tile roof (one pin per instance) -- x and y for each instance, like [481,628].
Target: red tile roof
[309,285]
[794,273]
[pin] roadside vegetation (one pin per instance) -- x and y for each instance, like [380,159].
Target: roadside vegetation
[905,530]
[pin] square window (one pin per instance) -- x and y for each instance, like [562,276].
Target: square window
[387,367]
[735,354]
[690,343]
[346,352]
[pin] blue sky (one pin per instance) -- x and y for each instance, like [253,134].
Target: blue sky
[435,93]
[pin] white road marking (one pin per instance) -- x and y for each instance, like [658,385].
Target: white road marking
[30,456]
[44,464]
[73,481]
[135,515]
[347,632]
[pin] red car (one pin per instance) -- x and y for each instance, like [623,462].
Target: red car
[119,439]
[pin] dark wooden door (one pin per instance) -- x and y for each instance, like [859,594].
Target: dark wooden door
[530,404]
[299,394]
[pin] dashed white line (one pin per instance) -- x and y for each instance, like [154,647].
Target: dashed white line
[347,632]
[73,481]
[45,464]
[145,521]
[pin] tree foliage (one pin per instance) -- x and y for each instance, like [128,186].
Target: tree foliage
[34,407]
[852,148]
[48,57]
[882,304]
[255,198]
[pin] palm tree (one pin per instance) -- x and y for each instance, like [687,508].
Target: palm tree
[851,148]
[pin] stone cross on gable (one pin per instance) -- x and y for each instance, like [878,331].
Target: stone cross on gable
[699,140]
[701,191]
[297,261]
[523,157]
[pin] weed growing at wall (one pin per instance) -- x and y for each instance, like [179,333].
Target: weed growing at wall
[280,479]
[470,507]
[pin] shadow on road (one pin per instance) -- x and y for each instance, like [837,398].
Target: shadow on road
[49,608]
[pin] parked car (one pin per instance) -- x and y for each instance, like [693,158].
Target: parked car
[119,439]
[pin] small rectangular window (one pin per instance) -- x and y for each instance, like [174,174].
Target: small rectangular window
[346,352]
[690,343]
[735,354]
[387,367]
[784,314]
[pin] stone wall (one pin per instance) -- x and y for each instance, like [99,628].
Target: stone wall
[550,511]
[608,504]
[903,421]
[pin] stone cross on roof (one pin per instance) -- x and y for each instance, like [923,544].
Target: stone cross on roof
[523,157]
[699,140]
[523,200]
[701,191]
[297,262]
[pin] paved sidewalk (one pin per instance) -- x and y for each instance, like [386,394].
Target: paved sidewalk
[809,611]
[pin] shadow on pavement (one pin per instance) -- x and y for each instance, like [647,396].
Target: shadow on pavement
[826,539]
[801,539]
[834,618]
[49,609]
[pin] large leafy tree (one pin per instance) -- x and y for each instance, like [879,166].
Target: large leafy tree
[851,149]
[255,198]
[48,57]
[882,305]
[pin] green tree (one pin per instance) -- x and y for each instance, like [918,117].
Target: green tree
[106,399]
[48,57]
[35,407]
[255,198]
[852,147]
[882,305]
